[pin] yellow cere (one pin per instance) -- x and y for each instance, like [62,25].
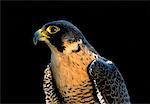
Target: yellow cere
[43,35]
[56,29]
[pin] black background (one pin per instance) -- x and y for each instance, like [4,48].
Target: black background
[118,31]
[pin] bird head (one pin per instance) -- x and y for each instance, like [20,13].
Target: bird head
[61,36]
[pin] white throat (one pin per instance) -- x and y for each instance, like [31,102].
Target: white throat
[72,47]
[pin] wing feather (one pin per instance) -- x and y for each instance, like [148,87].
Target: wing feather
[109,83]
[49,87]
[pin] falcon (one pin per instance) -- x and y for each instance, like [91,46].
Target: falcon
[77,74]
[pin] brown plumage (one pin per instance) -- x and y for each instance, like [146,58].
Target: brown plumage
[70,72]
[77,74]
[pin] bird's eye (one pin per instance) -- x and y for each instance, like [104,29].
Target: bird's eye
[53,29]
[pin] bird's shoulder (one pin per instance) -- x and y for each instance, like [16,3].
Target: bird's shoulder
[108,81]
[102,64]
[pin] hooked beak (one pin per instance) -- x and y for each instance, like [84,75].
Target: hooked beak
[39,36]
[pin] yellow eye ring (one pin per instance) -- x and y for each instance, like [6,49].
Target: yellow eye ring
[53,29]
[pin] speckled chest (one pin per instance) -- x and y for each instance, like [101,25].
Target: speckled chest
[70,71]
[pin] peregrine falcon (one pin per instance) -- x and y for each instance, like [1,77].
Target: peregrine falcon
[77,74]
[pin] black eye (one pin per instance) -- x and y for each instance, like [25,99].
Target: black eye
[53,29]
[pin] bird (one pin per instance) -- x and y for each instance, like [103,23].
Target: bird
[77,73]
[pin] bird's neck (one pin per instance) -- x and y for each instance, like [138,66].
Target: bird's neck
[71,69]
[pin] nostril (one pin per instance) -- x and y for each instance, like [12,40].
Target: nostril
[41,30]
